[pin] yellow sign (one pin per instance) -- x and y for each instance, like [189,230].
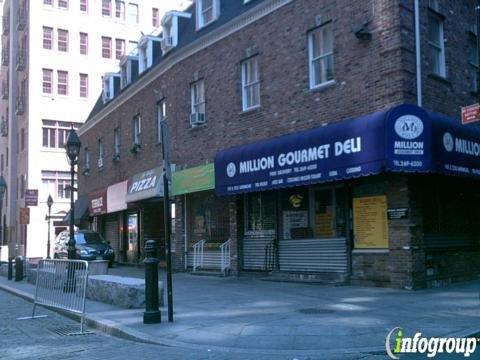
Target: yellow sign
[370,222]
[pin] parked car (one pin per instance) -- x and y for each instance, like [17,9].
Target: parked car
[89,245]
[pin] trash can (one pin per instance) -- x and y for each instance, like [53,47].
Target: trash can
[19,268]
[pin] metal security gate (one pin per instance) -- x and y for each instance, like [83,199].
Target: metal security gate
[254,251]
[112,234]
[314,255]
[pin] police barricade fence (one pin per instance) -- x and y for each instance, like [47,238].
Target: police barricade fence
[61,284]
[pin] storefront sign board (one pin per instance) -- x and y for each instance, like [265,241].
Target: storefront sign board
[195,179]
[145,185]
[116,197]
[370,222]
[97,202]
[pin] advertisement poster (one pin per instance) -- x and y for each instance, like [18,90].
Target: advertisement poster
[293,219]
[370,222]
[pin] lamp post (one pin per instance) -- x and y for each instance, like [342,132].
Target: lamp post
[49,204]
[72,147]
[3,188]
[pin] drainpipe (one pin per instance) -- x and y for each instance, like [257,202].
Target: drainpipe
[185,227]
[418,53]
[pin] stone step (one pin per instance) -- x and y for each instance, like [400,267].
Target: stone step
[337,279]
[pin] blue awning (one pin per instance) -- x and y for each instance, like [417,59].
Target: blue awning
[405,138]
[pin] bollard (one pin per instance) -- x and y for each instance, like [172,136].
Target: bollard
[18,268]
[151,315]
[10,267]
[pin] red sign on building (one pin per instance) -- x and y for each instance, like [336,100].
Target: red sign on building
[470,114]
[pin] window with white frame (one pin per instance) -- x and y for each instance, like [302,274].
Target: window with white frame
[116,143]
[161,116]
[63,4]
[47,81]
[207,12]
[48,2]
[106,7]
[473,62]
[137,130]
[84,6]
[55,133]
[119,48]
[320,53]
[47,38]
[120,10]
[436,46]
[101,153]
[83,85]
[62,82]
[250,83]
[57,184]
[83,43]
[132,13]
[132,47]
[106,47]
[62,36]
[197,91]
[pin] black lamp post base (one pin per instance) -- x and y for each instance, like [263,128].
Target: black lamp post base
[152,317]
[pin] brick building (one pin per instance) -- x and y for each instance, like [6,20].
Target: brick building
[293,146]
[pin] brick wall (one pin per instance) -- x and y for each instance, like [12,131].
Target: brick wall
[368,78]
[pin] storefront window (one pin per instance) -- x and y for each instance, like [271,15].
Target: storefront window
[208,218]
[295,213]
[329,217]
[313,213]
[260,211]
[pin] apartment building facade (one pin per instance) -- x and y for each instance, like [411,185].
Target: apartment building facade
[308,139]
[55,53]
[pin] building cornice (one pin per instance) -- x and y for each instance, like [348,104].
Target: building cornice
[185,52]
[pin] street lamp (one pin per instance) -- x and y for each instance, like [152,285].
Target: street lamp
[72,147]
[3,188]
[49,204]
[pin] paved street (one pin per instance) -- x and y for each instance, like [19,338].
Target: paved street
[36,339]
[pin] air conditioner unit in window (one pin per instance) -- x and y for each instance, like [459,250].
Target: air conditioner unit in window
[197,119]
[100,162]
[167,42]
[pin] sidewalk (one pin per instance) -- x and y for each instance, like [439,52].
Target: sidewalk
[259,317]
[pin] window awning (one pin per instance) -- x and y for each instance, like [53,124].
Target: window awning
[405,138]
[80,208]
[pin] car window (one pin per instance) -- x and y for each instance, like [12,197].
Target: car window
[89,238]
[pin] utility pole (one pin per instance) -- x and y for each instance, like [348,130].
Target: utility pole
[167,218]
[477,19]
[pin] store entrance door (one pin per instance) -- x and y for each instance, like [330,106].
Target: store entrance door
[133,253]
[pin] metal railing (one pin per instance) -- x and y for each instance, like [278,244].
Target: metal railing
[198,255]
[270,256]
[225,256]
[61,284]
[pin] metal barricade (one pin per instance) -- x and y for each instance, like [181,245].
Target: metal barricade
[62,284]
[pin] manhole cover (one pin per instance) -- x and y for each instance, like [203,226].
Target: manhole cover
[70,330]
[315,311]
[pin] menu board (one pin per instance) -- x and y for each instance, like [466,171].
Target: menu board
[370,222]
[293,219]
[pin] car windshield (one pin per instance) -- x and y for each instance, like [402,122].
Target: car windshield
[89,238]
